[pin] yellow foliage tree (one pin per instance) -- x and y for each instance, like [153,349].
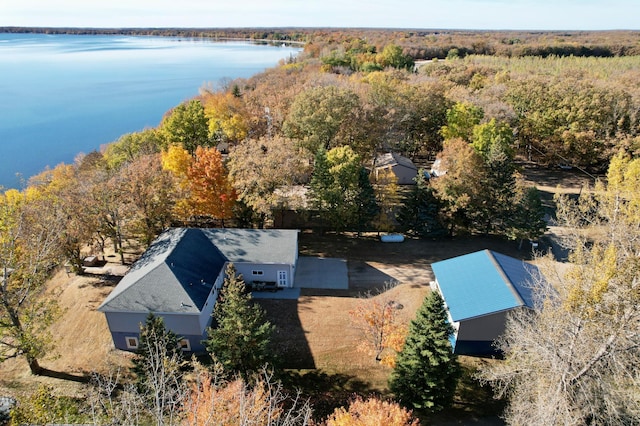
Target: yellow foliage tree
[227,116]
[203,179]
[177,160]
[582,343]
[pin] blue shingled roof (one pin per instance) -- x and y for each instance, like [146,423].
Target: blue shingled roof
[484,282]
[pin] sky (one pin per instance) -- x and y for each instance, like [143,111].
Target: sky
[417,14]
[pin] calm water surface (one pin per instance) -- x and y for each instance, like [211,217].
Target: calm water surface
[65,94]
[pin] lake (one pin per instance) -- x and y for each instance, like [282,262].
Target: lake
[61,95]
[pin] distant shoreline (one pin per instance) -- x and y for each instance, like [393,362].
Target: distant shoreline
[254,35]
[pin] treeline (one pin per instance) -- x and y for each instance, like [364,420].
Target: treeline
[417,43]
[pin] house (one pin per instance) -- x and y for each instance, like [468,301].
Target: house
[180,275]
[402,167]
[479,289]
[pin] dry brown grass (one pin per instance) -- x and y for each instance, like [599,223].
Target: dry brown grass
[82,340]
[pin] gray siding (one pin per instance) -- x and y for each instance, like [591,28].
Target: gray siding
[127,322]
[485,328]
[195,341]
[269,272]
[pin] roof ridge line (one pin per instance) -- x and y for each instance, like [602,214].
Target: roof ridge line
[505,278]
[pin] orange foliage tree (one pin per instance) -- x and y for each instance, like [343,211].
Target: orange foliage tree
[211,190]
[203,180]
[372,411]
[212,401]
[383,333]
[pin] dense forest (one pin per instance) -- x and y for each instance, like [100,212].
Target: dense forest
[305,136]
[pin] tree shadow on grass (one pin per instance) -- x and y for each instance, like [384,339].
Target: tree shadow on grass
[325,391]
[474,402]
[45,372]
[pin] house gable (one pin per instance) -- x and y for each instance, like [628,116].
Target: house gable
[175,275]
[392,159]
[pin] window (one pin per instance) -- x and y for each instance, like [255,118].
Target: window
[185,345]
[255,272]
[132,342]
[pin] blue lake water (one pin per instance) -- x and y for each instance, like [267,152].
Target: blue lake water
[61,95]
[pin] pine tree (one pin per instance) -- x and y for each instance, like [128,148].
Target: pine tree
[419,214]
[427,372]
[158,367]
[241,339]
[366,201]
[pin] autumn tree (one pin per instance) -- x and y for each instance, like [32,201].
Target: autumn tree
[148,192]
[30,225]
[460,189]
[212,400]
[205,189]
[372,411]
[186,125]
[461,121]
[408,116]
[241,337]
[581,342]
[107,200]
[426,371]
[569,119]
[259,168]
[388,199]
[209,186]
[227,115]
[319,114]
[377,318]
[66,186]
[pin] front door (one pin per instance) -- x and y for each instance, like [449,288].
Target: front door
[282,279]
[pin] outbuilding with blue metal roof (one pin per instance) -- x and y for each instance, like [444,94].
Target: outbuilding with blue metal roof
[479,289]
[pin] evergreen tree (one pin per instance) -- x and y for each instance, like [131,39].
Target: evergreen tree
[499,182]
[366,201]
[426,372]
[527,220]
[158,367]
[241,339]
[419,215]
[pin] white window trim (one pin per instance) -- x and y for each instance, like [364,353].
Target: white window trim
[129,346]
[185,345]
[257,272]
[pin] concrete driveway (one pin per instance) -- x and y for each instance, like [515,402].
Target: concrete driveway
[322,272]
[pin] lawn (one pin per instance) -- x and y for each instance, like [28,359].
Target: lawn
[317,341]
